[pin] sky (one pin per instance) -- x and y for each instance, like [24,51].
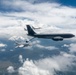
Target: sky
[68,2]
[5,7]
[53,16]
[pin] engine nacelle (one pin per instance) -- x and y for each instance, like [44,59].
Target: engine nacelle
[57,39]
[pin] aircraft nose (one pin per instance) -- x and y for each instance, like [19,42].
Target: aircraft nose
[73,35]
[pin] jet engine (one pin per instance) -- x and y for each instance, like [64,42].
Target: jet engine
[57,39]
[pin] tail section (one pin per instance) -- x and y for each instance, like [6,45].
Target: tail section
[30,30]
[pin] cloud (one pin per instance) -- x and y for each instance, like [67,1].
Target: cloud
[68,55]
[20,58]
[31,69]
[10,69]
[16,38]
[47,15]
[12,31]
[3,50]
[2,45]
[11,50]
[65,45]
[72,48]
[45,47]
[19,5]
[52,13]
[47,66]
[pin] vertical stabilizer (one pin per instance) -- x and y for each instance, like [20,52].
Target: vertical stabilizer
[30,30]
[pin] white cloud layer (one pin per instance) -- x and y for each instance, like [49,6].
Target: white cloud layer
[50,16]
[47,66]
[47,13]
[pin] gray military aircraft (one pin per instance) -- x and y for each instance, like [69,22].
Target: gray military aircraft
[26,44]
[55,37]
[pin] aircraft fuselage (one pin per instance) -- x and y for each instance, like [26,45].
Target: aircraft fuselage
[49,36]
